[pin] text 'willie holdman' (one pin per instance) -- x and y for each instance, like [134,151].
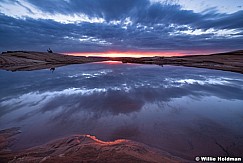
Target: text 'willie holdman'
[218,159]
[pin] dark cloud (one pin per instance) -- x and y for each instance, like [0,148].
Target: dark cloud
[128,25]
[107,9]
[223,21]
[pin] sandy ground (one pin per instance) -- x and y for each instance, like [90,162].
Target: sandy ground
[82,148]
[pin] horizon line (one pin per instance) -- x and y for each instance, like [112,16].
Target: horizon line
[138,54]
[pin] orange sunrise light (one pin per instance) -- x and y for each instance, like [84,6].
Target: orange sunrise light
[112,62]
[126,54]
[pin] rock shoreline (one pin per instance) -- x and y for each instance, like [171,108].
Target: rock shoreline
[230,61]
[83,148]
[29,60]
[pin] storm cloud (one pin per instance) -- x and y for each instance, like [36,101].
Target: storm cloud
[117,25]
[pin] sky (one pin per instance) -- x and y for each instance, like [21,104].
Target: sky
[122,27]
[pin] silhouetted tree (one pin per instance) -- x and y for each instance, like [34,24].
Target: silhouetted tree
[49,50]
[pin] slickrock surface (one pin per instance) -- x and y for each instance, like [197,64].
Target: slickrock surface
[230,61]
[84,148]
[27,60]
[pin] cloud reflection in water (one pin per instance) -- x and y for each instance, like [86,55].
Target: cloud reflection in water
[141,102]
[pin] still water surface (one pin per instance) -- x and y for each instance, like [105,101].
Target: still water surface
[185,111]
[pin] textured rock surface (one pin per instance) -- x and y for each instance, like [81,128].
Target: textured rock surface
[27,60]
[84,148]
[231,61]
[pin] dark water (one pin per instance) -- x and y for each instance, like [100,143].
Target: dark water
[186,111]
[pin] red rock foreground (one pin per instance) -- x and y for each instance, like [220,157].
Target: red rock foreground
[83,148]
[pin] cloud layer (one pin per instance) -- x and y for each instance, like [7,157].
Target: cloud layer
[117,25]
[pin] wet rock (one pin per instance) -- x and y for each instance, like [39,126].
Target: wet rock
[85,148]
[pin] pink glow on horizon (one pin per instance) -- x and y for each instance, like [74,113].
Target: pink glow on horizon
[137,54]
[126,54]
